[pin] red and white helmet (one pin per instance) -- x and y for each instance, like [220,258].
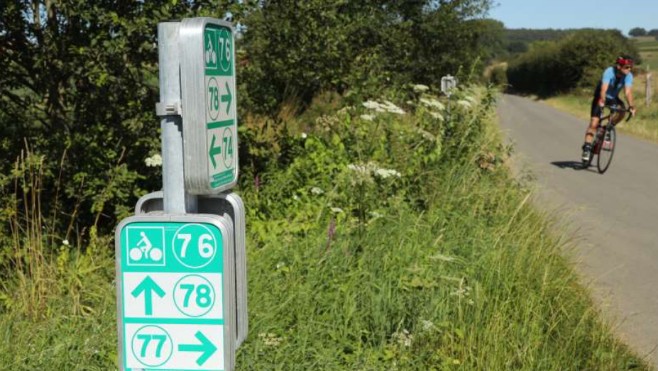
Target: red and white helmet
[625,61]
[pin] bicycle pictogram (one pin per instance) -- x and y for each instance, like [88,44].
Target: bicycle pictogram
[148,250]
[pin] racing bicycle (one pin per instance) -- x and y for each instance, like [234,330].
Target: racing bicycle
[604,141]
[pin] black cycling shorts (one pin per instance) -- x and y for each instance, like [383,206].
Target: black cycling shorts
[596,109]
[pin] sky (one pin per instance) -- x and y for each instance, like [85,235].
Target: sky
[620,14]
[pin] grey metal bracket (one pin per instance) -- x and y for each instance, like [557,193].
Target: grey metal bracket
[168,109]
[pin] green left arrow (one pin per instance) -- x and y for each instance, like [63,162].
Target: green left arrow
[207,348]
[226,98]
[214,151]
[148,287]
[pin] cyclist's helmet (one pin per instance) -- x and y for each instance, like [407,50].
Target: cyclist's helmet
[625,60]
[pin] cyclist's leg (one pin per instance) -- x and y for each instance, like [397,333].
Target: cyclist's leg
[595,118]
[618,116]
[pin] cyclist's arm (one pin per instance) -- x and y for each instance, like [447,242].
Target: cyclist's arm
[602,93]
[628,91]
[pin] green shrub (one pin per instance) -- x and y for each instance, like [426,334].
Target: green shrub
[575,61]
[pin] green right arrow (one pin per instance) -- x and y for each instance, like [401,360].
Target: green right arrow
[206,347]
[214,151]
[226,98]
[148,287]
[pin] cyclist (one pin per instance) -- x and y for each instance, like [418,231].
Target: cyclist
[614,79]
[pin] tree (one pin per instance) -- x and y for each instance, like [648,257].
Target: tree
[576,61]
[653,32]
[339,45]
[79,85]
[637,31]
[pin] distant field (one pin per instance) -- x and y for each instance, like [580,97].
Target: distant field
[648,46]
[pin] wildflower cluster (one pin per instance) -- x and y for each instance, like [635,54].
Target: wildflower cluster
[371,168]
[153,161]
[387,106]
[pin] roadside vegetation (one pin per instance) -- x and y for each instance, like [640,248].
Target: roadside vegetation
[384,229]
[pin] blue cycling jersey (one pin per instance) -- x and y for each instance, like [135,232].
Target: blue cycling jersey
[615,85]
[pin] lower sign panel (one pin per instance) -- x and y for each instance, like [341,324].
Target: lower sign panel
[174,347]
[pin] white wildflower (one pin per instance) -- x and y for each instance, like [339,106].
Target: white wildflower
[371,104]
[403,337]
[153,161]
[336,210]
[420,88]
[387,173]
[280,265]
[270,340]
[344,110]
[363,168]
[437,116]
[464,103]
[295,197]
[442,257]
[426,134]
[470,99]
[376,215]
[304,135]
[317,191]
[65,242]
[432,103]
[392,108]
[367,117]
[427,325]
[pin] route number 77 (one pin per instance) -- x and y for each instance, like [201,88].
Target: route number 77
[147,339]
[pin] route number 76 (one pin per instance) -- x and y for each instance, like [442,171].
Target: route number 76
[204,246]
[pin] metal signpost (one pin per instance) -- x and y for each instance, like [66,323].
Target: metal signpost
[175,288]
[181,260]
[232,207]
[210,132]
[448,83]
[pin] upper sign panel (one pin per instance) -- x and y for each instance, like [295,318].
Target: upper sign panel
[210,135]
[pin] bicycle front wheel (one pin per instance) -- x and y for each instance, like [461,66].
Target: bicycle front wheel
[607,149]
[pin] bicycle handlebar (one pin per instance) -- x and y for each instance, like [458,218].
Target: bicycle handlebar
[615,108]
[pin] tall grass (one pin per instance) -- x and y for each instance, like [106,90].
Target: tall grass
[56,301]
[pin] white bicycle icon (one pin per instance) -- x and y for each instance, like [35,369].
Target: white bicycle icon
[146,250]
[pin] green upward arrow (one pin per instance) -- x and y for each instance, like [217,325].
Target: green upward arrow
[214,151]
[148,287]
[227,98]
[206,347]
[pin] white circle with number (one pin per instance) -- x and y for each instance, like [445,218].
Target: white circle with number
[152,345]
[194,246]
[213,98]
[226,49]
[194,295]
[229,147]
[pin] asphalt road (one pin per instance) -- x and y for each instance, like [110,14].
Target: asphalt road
[614,216]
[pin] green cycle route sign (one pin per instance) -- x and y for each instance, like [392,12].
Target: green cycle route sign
[175,289]
[209,105]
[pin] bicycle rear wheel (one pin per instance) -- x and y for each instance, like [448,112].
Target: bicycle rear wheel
[607,150]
